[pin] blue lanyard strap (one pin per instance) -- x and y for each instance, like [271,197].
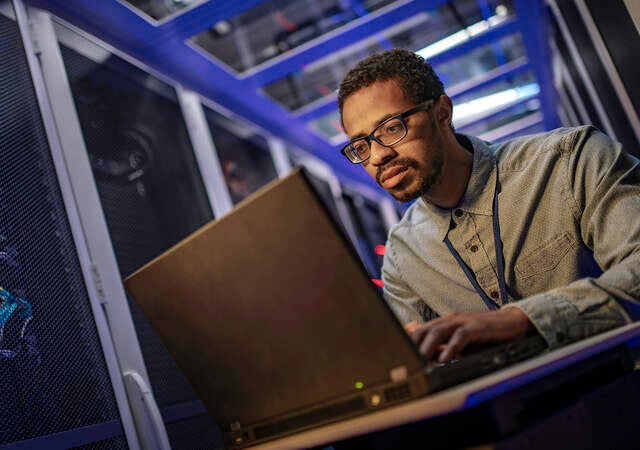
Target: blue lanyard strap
[491,304]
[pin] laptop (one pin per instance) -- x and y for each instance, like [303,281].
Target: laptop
[275,322]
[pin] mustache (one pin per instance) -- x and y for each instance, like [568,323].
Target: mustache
[404,162]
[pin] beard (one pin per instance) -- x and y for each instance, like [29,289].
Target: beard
[405,193]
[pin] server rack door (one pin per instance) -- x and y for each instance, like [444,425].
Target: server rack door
[56,387]
[245,158]
[151,193]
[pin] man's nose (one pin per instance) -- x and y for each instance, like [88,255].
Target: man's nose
[380,154]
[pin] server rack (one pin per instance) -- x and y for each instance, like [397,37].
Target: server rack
[60,377]
[117,179]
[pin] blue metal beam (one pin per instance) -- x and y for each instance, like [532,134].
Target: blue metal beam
[111,18]
[497,48]
[318,109]
[202,17]
[329,104]
[139,29]
[533,21]
[360,29]
[509,70]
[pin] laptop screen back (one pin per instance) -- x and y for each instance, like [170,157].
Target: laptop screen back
[267,310]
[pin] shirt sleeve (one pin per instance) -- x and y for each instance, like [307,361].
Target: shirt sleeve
[605,187]
[406,305]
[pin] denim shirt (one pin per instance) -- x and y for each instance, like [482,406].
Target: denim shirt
[569,212]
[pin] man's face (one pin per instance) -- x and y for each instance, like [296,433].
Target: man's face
[409,168]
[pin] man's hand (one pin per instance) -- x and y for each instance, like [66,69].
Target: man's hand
[445,338]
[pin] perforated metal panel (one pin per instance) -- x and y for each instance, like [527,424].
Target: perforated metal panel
[107,444]
[244,156]
[53,376]
[149,185]
[140,154]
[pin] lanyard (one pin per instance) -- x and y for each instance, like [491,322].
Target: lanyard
[491,304]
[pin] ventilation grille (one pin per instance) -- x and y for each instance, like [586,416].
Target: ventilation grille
[395,393]
[52,370]
[311,417]
[147,178]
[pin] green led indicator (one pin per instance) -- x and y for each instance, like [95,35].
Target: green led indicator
[359,384]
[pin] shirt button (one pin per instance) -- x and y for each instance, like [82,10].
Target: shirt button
[495,295]
[458,212]
[473,248]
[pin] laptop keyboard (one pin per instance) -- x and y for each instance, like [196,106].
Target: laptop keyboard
[482,362]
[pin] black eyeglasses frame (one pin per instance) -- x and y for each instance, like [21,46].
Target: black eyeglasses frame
[424,106]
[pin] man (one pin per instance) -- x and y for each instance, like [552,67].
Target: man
[539,233]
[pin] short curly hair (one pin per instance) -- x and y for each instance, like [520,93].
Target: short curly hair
[413,74]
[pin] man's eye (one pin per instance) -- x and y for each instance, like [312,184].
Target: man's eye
[393,127]
[361,148]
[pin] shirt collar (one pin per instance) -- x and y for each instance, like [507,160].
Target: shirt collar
[478,197]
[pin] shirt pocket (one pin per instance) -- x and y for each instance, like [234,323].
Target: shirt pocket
[540,266]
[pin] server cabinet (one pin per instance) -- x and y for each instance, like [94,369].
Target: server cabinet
[59,378]
[151,192]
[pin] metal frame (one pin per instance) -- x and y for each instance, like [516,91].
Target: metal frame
[514,128]
[219,199]
[609,66]
[503,29]
[205,152]
[534,31]
[317,109]
[90,272]
[166,49]
[327,105]
[115,51]
[389,213]
[161,50]
[358,30]
[158,22]
[505,71]
[566,111]
[493,113]
[572,90]
[582,70]
[99,254]
[202,16]
[280,156]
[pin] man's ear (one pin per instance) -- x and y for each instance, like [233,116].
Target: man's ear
[443,109]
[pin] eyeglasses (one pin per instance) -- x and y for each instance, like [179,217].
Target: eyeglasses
[388,133]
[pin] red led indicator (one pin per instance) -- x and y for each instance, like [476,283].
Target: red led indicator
[380,249]
[378,282]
